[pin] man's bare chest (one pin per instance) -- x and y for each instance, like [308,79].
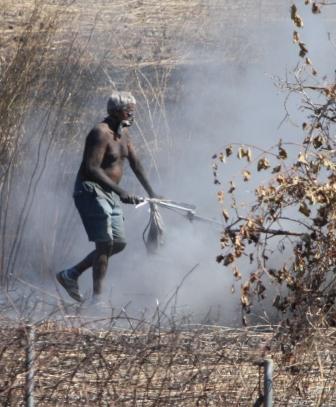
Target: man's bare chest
[116,149]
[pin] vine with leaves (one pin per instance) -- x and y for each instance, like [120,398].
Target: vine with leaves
[286,236]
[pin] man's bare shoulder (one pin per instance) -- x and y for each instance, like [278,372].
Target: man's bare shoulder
[100,133]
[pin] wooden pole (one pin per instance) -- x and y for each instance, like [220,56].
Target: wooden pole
[30,363]
[268,383]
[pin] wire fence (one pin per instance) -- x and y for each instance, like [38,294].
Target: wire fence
[76,358]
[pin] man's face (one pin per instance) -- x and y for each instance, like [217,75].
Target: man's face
[127,114]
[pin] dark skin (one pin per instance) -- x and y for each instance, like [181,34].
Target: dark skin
[103,162]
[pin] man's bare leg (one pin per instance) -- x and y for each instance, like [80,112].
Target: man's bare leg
[98,260]
[68,277]
[99,267]
[85,264]
[103,251]
[88,261]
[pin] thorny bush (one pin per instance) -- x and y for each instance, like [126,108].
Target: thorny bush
[288,232]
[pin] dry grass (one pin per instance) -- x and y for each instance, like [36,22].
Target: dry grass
[146,32]
[151,366]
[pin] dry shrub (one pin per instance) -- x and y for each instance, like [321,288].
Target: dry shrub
[286,234]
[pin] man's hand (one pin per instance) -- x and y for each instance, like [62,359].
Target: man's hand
[130,199]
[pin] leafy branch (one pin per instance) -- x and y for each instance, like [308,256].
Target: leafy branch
[284,239]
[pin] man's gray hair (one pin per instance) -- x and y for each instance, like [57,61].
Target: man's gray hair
[119,100]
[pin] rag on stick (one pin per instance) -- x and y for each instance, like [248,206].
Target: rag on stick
[153,234]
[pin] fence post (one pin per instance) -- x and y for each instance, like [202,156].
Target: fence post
[30,364]
[268,383]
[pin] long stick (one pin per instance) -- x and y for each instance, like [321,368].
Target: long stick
[190,213]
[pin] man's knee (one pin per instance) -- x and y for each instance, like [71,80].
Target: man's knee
[111,247]
[117,246]
[104,248]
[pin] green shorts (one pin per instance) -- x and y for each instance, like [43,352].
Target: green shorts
[100,212]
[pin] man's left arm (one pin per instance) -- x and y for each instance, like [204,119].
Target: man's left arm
[138,170]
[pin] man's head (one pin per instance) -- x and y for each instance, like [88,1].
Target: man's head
[121,105]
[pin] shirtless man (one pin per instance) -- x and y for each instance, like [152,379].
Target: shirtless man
[97,193]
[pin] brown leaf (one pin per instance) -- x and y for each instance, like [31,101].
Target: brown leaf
[254,277]
[277,301]
[232,187]
[236,273]
[260,289]
[316,8]
[302,159]
[293,11]
[276,169]
[298,21]
[295,17]
[228,259]
[246,175]
[239,250]
[304,209]
[245,294]
[228,151]
[318,141]
[263,164]
[282,154]
[242,152]
[320,221]
[221,157]
[280,179]
[225,215]
[225,241]
[303,49]
[220,196]
[296,38]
